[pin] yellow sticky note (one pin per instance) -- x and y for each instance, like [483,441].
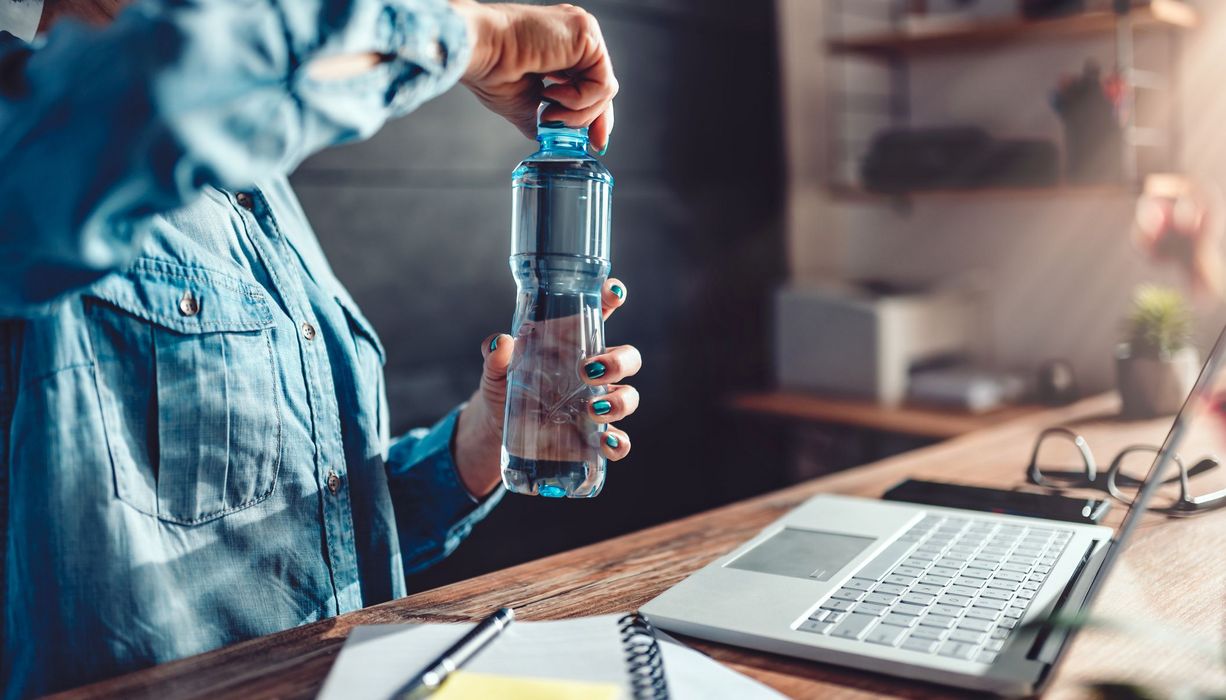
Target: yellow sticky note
[463,685]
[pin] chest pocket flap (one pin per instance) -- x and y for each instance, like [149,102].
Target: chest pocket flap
[189,388]
[186,299]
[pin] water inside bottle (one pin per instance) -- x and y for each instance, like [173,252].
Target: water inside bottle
[553,447]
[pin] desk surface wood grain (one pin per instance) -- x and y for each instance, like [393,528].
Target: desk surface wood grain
[1168,590]
[918,421]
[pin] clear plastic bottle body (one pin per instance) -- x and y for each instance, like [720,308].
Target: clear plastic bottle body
[560,261]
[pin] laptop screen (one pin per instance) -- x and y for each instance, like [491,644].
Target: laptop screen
[1198,430]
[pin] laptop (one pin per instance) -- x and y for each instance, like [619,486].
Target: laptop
[944,595]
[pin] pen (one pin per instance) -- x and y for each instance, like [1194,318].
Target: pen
[428,681]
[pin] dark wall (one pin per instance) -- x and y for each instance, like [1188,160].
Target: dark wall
[416,223]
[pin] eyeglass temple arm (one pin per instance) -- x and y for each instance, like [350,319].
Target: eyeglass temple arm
[1036,475]
[1206,463]
[1217,499]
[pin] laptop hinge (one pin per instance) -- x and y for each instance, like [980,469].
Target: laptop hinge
[1052,639]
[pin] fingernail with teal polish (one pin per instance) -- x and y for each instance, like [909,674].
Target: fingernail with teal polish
[603,151]
[612,441]
[595,370]
[494,344]
[617,291]
[601,407]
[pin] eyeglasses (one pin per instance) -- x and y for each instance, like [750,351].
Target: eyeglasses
[1126,475]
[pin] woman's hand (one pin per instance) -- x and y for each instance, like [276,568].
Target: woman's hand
[98,13]
[478,438]
[517,47]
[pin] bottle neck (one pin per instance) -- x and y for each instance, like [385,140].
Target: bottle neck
[563,141]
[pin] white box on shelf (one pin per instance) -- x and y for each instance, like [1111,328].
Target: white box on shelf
[847,339]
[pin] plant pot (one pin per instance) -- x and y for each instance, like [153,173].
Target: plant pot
[1151,386]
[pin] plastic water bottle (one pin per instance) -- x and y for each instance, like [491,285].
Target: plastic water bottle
[560,260]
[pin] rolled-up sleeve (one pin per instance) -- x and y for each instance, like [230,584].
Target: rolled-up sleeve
[434,512]
[102,128]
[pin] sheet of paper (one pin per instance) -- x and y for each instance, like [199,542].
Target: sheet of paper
[529,657]
[693,675]
[465,685]
[378,659]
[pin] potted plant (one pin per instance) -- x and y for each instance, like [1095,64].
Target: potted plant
[1155,366]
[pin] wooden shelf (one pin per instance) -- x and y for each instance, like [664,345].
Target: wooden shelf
[919,421]
[970,35]
[852,193]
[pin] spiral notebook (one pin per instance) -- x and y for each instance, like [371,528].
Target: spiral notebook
[607,657]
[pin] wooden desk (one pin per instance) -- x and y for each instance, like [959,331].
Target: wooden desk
[917,421]
[1172,576]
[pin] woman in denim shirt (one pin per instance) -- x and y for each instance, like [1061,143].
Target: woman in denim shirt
[193,429]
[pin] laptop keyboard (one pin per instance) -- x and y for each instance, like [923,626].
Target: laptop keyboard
[950,586]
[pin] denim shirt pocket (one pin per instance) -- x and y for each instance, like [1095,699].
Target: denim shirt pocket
[188,385]
[362,328]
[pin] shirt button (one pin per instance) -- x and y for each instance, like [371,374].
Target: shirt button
[308,331]
[245,200]
[188,306]
[334,482]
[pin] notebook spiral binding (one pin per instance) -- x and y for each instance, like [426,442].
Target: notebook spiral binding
[643,658]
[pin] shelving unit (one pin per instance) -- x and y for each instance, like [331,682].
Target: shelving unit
[848,193]
[1162,14]
[896,48]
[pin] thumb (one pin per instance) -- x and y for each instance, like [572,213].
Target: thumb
[497,350]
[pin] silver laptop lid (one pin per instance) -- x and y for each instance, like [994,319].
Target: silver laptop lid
[1203,415]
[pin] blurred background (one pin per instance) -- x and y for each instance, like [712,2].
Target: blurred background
[849,228]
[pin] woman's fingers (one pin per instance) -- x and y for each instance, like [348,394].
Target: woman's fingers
[583,92]
[601,130]
[613,365]
[516,46]
[497,350]
[574,117]
[612,296]
[615,443]
[583,101]
[620,402]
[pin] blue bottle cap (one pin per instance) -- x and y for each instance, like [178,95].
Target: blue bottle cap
[558,128]
[553,127]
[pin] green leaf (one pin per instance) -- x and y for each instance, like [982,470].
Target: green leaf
[1160,323]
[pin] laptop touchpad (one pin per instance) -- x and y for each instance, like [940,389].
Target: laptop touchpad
[802,554]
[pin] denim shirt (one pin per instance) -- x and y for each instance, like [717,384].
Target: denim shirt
[193,429]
